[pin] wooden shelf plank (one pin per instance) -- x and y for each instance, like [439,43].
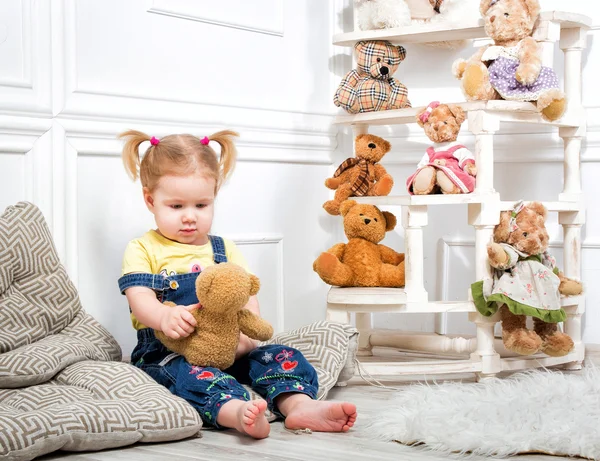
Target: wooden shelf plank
[436,32]
[426,200]
[505,111]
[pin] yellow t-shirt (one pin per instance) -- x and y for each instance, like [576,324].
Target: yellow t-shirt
[154,254]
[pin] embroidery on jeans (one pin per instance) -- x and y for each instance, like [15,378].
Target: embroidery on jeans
[195,370]
[298,386]
[288,366]
[278,376]
[284,355]
[219,379]
[225,396]
[205,375]
[267,357]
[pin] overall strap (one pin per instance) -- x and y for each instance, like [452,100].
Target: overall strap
[156,282]
[218,246]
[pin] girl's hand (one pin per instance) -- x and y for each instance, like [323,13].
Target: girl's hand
[177,321]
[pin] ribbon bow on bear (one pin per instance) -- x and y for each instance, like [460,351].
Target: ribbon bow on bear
[512,224]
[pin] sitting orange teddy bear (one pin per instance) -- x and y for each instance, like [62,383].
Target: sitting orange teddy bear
[362,262]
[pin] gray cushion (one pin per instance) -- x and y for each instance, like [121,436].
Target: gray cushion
[329,347]
[91,406]
[88,400]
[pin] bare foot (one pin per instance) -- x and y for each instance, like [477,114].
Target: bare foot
[322,416]
[252,420]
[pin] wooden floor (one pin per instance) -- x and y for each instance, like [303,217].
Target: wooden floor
[283,445]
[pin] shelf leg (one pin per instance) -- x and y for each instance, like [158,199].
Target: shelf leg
[483,126]
[414,218]
[484,218]
[572,223]
[364,326]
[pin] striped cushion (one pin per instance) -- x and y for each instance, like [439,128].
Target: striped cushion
[88,400]
[91,406]
[329,347]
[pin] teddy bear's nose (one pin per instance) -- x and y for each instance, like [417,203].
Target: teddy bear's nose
[367,220]
[493,18]
[372,145]
[384,70]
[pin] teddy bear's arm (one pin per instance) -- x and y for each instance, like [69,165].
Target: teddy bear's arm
[346,93]
[338,250]
[380,171]
[502,256]
[531,61]
[389,256]
[253,326]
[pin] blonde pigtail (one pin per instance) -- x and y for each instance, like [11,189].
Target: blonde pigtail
[228,153]
[131,156]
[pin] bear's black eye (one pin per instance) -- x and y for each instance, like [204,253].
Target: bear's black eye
[525,234]
[389,63]
[361,214]
[378,59]
[445,123]
[375,219]
[506,15]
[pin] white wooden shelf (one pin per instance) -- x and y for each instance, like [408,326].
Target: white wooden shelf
[463,199]
[503,111]
[484,206]
[436,32]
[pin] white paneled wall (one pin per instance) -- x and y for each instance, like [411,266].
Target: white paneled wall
[75,73]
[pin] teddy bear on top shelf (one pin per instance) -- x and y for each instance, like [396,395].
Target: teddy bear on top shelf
[389,14]
[511,69]
[371,86]
[447,167]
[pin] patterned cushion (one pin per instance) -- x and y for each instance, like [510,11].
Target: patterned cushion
[329,347]
[91,406]
[88,400]
[44,328]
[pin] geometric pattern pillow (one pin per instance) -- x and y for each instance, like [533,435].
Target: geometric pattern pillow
[43,326]
[330,347]
[91,406]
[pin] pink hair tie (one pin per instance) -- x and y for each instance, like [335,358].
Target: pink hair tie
[425,115]
[205,140]
[154,141]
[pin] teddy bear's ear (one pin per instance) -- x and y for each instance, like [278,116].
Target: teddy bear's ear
[386,146]
[533,6]
[458,113]
[502,230]
[401,52]
[390,221]
[359,137]
[484,6]
[254,284]
[538,208]
[360,45]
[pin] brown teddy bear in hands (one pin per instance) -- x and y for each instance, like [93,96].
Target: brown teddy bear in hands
[223,290]
[362,262]
[511,69]
[448,166]
[361,175]
[526,283]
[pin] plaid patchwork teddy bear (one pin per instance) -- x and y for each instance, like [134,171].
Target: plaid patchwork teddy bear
[371,86]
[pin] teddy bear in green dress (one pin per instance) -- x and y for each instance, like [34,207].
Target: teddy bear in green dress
[526,282]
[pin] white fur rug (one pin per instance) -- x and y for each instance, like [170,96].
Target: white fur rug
[536,411]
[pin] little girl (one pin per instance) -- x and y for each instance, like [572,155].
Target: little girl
[180,176]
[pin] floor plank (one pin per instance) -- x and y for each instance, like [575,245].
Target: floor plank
[283,445]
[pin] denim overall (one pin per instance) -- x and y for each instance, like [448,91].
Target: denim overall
[270,370]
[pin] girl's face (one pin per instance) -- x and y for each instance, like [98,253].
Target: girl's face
[183,207]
